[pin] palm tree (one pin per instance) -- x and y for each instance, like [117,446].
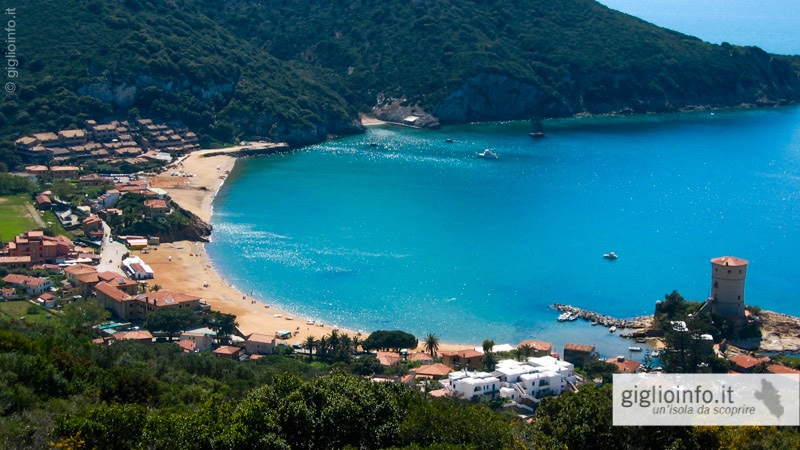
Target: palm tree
[488,345]
[309,345]
[356,341]
[431,344]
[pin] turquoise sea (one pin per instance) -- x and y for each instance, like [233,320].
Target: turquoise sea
[419,234]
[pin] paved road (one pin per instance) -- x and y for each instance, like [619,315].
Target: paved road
[111,253]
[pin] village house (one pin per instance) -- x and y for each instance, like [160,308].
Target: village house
[436,371]
[458,359]
[47,300]
[538,348]
[228,351]
[624,365]
[64,172]
[93,228]
[93,180]
[193,341]
[38,172]
[138,307]
[40,248]
[43,202]
[578,354]
[69,138]
[468,385]
[142,336]
[15,262]
[155,208]
[31,285]
[260,344]
[388,359]
[421,357]
[745,363]
[8,293]
[84,278]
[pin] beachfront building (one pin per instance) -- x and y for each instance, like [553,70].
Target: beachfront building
[578,354]
[728,275]
[459,359]
[260,344]
[624,365]
[196,341]
[84,278]
[527,381]
[138,307]
[537,348]
[137,268]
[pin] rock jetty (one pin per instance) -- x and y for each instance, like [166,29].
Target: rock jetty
[606,321]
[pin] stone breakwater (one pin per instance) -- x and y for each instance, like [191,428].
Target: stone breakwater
[601,319]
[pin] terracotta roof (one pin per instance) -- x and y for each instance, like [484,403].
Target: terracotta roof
[624,366]
[80,269]
[261,338]
[388,358]
[165,296]
[135,334]
[780,368]
[729,261]
[468,353]
[579,348]
[537,345]
[434,370]
[419,356]
[112,292]
[227,350]
[746,361]
[187,345]
[155,203]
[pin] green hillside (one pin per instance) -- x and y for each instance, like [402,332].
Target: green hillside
[300,71]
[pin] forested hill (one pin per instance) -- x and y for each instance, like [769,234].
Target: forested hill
[301,70]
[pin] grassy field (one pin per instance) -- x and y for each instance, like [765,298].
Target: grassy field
[20,308]
[14,216]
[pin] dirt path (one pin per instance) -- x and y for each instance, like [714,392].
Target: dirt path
[35,215]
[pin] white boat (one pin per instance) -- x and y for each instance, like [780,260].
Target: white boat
[488,154]
[573,317]
[563,317]
[634,349]
[612,329]
[655,354]
[610,255]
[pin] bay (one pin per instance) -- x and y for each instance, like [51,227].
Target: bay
[399,229]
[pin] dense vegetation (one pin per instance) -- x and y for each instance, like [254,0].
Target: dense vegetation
[55,386]
[298,71]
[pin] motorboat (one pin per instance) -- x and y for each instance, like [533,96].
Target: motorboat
[449,140]
[612,329]
[488,154]
[634,349]
[610,255]
[563,317]
[655,354]
[573,317]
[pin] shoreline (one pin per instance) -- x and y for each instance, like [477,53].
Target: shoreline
[185,266]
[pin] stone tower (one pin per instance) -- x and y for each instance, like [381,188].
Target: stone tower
[727,286]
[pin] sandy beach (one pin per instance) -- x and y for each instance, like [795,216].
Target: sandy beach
[184,266]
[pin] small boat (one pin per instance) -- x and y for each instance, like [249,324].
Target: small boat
[610,255]
[488,154]
[449,140]
[373,144]
[641,340]
[655,354]
[612,329]
[634,349]
[573,317]
[595,323]
[563,317]
[538,131]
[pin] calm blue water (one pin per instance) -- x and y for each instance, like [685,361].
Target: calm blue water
[770,25]
[422,235]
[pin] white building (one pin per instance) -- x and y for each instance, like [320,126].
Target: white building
[533,380]
[728,275]
[137,269]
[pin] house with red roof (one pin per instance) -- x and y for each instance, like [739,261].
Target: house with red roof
[745,363]
[624,365]
[228,351]
[155,208]
[539,348]
[578,354]
[260,344]
[142,336]
[388,359]
[421,357]
[458,359]
[138,307]
[93,227]
[31,285]
[435,371]
[40,248]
